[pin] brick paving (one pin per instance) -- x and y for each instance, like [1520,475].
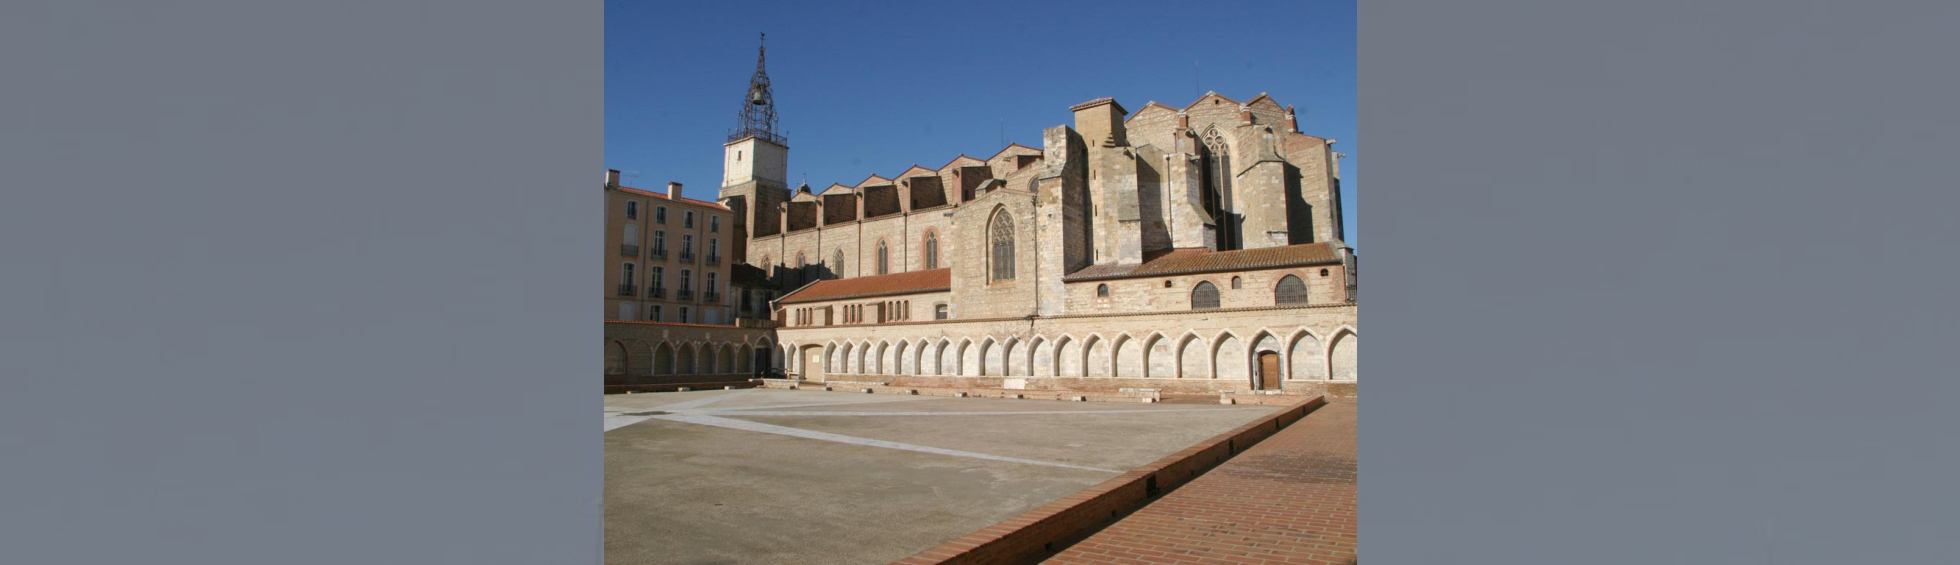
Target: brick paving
[1289,499]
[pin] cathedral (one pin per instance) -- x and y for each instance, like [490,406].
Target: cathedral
[1182,249]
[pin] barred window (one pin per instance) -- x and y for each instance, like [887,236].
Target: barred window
[932,250]
[1204,296]
[1291,291]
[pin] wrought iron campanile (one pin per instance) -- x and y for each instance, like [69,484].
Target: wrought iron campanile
[758,116]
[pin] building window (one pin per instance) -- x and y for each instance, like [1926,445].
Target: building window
[630,235]
[660,243]
[714,224]
[1216,189]
[1290,292]
[1235,283]
[1167,283]
[653,313]
[656,278]
[1204,297]
[660,214]
[626,274]
[881,258]
[687,220]
[632,210]
[1323,272]
[1102,290]
[837,262]
[1001,238]
[683,318]
[939,312]
[932,250]
[687,280]
[710,288]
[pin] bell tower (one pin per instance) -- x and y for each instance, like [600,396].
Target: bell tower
[755,164]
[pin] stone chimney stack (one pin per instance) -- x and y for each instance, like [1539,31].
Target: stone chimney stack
[674,191]
[1100,122]
[612,178]
[1245,115]
[1292,121]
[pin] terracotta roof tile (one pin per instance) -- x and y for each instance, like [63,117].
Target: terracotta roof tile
[876,285]
[682,199]
[1200,260]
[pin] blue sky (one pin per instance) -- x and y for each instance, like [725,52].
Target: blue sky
[876,87]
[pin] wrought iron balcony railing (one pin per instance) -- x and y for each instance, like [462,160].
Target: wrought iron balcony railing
[710,297]
[629,251]
[657,292]
[660,253]
[684,294]
[627,289]
[714,260]
[687,257]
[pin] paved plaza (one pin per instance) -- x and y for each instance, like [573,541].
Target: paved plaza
[1288,500]
[779,476]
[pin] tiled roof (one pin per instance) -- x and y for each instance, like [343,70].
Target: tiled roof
[876,285]
[1201,260]
[683,199]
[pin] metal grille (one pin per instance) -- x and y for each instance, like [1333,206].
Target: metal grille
[1204,297]
[1290,292]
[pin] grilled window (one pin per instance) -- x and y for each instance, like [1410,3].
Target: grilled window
[1204,296]
[1001,236]
[1291,291]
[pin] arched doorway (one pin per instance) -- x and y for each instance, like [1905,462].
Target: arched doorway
[1268,370]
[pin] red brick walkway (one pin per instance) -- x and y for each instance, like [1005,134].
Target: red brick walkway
[1289,499]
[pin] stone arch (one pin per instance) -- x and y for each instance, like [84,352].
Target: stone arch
[1342,360]
[1129,358]
[1097,357]
[860,363]
[901,358]
[989,357]
[616,359]
[1158,361]
[726,361]
[842,363]
[877,360]
[947,357]
[1193,357]
[663,359]
[684,359]
[1290,291]
[1264,341]
[969,358]
[1017,358]
[1041,358]
[709,353]
[1303,357]
[1229,357]
[1068,357]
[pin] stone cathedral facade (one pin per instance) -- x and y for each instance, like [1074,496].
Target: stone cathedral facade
[1192,249]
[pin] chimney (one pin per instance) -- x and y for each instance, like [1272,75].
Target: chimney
[1292,122]
[1245,114]
[674,191]
[612,178]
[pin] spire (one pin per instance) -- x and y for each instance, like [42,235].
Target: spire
[758,115]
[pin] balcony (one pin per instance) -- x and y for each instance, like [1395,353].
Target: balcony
[711,297]
[660,253]
[657,292]
[629,251]
[627,290]
[684,294]
[714,260]
[687,257]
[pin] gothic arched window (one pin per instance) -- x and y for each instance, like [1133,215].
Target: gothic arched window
[1217,187]
[932,250]
[882,264]
[1204,296]
[1000,238]
[1291,291]
[837,262]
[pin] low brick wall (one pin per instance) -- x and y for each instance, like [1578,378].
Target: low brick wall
[871,387]
[616,384]
[1038,533]
[1099,385]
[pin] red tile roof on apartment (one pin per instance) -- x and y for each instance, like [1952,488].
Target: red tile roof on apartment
[913,282]
[1201,260]
[682,199]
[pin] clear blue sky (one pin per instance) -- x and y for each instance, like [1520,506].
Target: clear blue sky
[875,87]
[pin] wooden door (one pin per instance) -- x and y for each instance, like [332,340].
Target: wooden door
[813,363]
[1268,370]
